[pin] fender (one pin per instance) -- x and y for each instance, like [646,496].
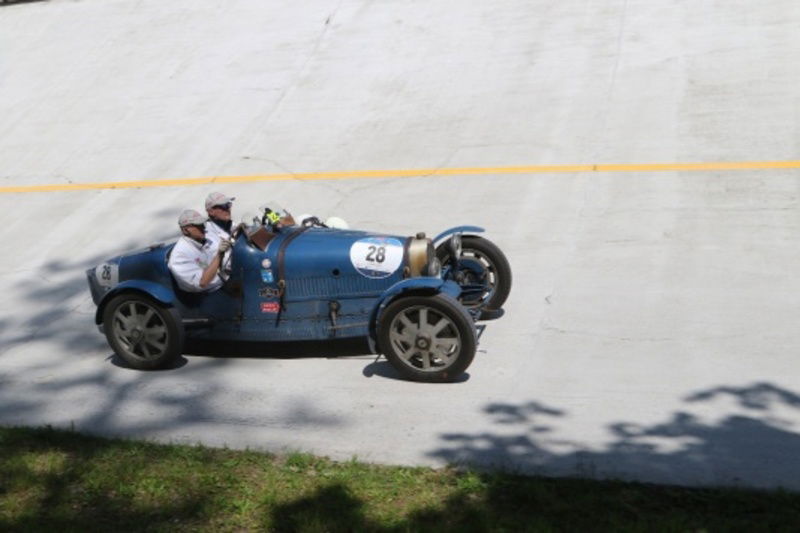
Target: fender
[457,229]
[423,285]
[154,290]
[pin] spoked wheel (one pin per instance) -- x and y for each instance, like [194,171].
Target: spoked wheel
[144,333]
[427,338]
[483,264]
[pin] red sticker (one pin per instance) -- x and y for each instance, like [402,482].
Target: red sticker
[270,307]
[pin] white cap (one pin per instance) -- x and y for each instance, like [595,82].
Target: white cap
[190,217]
[217,198]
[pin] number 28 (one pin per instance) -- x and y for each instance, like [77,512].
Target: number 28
[377,254]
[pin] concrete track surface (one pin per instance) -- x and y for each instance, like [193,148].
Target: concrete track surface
[651,332]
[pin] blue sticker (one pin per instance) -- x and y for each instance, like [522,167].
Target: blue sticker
[266,276]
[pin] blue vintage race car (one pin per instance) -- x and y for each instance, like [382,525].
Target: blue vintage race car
[415,299]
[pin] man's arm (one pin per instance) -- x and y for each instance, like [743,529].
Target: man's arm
[210,271]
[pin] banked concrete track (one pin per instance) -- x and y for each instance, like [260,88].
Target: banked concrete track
[651,333]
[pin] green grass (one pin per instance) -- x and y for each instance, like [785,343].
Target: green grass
[63,481]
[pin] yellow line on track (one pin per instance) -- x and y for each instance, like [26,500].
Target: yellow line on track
[425,172]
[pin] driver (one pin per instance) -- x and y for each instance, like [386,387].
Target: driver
[219,226]
[194,261]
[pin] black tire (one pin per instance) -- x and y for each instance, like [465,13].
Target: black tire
[144,333]
[408,337]
[493,260]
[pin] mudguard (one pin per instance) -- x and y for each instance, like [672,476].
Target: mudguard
[424,285]
[458,229]
[154,290]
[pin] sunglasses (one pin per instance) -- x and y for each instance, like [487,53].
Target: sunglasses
[225,207]
[201,227]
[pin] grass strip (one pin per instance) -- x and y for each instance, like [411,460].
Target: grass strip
[55,480]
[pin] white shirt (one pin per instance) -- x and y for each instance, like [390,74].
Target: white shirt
[187,262]
[215,234]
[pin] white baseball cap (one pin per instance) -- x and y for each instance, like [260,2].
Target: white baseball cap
[190,217]
[217,198]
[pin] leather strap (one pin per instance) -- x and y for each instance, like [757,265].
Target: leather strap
[282,269]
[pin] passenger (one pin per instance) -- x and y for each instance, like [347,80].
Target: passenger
[194,262]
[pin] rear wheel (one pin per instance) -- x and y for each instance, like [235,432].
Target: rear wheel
[427,338]
[144,333]
[489,269]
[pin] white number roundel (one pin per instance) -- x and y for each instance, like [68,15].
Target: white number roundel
[376,257]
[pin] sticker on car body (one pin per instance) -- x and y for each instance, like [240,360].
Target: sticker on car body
[267,277]
[270,307]
[376,257]
[107,275]
[269,292]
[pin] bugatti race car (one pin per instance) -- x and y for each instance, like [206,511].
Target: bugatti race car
[417,300]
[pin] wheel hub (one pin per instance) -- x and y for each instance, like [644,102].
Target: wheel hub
[422,342]
[136,335]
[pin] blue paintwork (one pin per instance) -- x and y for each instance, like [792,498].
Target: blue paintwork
[458,229]
[318,271]
[159,292]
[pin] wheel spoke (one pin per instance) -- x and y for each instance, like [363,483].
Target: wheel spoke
[439,326]
[426,360]
[447,342]
[124,322]
[119,324]
[120,327]
[423,318]
[406,353]
[446,359]
[126,342]
[147,316]
[160,346]
[408,337]
[407,323]
[403,341]
[156,331]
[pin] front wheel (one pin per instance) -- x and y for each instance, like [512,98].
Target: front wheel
[144,333]
[482,268]
[427,338]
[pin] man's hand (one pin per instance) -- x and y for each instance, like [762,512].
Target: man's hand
[224,246]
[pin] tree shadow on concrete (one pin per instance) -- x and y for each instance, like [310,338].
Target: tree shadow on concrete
[752,446]
[62,353]
[63,310]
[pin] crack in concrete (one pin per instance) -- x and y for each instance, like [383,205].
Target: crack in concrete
[581,333]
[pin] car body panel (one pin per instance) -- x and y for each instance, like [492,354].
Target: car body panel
[333,285]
